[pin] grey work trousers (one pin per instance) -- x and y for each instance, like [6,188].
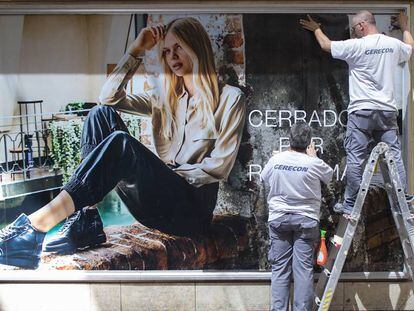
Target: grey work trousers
[365,126]
[292,239]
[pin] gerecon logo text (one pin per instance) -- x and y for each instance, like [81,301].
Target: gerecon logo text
[379,51]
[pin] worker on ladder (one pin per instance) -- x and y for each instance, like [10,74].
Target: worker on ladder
[372,113]
[294,179]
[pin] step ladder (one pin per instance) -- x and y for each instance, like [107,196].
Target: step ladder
[404,221]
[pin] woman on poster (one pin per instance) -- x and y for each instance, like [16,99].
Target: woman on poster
[197,126]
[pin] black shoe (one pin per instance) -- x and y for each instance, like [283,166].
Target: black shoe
[21,244]
[81,230]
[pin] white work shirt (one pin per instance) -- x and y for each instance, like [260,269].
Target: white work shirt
[372,62]
[295,184]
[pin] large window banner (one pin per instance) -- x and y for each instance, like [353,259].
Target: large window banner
[157,127]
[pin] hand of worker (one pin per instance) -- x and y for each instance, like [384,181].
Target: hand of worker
[309,24]
[147,38]
[311,151]
[400,21]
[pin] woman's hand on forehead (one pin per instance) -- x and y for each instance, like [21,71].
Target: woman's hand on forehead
[147,38]
[158,32]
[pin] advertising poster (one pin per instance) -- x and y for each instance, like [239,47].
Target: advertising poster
[174,177]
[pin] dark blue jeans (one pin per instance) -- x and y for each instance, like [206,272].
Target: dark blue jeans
[154,194]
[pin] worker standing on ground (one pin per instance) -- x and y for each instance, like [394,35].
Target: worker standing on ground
[294,179]
[372,113]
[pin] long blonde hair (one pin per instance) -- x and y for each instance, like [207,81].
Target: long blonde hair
[195,41]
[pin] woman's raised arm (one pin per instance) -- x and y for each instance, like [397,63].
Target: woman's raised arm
[113,91]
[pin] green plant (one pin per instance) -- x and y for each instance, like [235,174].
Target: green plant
[74,106]
[66,145]
[133,124]
[66,142]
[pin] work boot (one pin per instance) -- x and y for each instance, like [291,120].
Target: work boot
[341,209]
[81,230]
[21,244]
[409,198]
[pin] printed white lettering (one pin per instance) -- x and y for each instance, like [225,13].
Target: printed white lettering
[251,118]
[256,172]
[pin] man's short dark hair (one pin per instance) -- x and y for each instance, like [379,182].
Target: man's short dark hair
[300,136]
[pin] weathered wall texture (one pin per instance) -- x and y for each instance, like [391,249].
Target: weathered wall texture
[288,71]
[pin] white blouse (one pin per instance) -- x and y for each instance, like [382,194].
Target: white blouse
[201,156]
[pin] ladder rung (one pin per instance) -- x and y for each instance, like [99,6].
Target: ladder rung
[380,158]
[337,240]
[327,272]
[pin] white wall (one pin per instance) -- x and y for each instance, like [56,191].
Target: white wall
[56,58]
[106,43]
[11,29]
[212,296]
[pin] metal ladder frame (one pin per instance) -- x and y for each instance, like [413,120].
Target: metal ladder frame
[342,240]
